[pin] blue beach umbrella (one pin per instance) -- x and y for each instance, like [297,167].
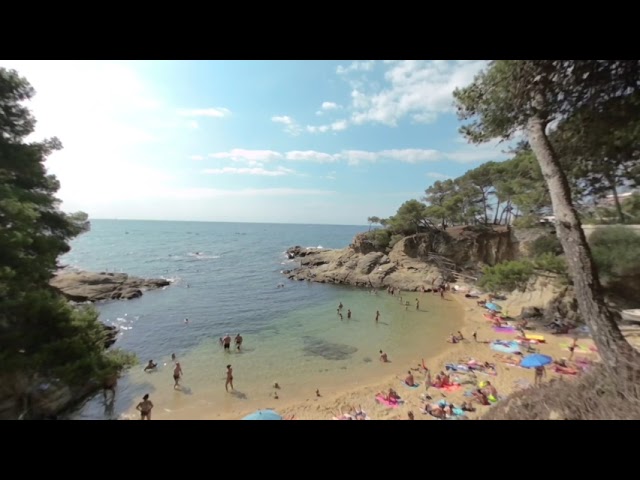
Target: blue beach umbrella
[535,360]
[263,415]
[505,347]
[493,306]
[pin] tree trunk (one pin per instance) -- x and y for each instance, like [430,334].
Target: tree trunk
[495,217]
[612,346]
[616,199]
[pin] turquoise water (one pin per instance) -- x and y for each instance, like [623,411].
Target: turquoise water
[226,278]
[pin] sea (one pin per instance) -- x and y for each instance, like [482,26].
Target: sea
[225,280]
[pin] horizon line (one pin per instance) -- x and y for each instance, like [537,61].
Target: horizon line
[226,221]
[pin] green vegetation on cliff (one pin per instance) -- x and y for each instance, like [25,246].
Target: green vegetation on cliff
[40,333]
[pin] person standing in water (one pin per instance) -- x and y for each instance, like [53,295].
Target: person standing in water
[145,407]
[226,342]
[377,315]
[177,373]
[348,313]
[229,381]
[238,341]
[417,304]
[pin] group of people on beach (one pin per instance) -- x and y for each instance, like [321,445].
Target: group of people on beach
[145,406]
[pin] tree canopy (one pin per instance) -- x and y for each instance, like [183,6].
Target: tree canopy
[512,96]
[40,332]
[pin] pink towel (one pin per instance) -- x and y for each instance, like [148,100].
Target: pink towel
[451,388]
[384,401]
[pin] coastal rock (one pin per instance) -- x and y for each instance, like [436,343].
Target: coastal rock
[408,264]
[80,286]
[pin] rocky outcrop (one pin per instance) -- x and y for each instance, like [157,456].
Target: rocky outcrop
[79,286]
[407,265]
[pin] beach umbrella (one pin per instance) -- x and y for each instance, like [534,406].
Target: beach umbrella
[505,347]
[263,415]
[535,360]
[493,306]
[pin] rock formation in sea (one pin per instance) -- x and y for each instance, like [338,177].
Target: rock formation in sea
[80,286]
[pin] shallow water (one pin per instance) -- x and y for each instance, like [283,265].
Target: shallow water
[292,335]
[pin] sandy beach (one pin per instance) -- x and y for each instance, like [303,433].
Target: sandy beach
[508,378]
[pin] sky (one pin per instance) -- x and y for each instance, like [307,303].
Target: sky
[313,142]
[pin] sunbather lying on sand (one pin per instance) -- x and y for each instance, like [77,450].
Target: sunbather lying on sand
[390,396]
[480,397]
[512,360]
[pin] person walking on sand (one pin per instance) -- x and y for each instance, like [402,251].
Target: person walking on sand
[177,373]
[540,373]
[572,348]
[383,357]
[238,341]
[229,381]
[475,336]
[377,315]
[145,407]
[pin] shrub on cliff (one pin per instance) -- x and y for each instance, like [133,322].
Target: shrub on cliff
[546,244]
[616,251]
[379,238]
[507,276]
[39,332]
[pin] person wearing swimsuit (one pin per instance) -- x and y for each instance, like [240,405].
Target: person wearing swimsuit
[226,342]
[145,407]
[229,378]
[177,373]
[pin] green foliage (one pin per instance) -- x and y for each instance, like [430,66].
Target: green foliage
[410,218]
[39,331]
[616,251]
[546,244]
[379,238]
[507,276]
[550,262]
[527,221]
[395,239]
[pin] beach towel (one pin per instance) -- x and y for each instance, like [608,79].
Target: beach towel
[457,368]
[449,388]
[505,347]
[504,329]
[415,385]
[392,404]
[565,371]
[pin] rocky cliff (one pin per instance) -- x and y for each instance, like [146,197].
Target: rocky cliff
[410,264]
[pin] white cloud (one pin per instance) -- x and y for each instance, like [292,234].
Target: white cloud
[196,157]
[329,106]
[331,175]
[242,155]
[217,112]
[290,125]
[467,154]
[357,66]
[418,89]
[337,126]
[437,176]
[310,156]
[278,172]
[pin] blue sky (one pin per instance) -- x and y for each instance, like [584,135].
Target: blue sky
[252,141]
